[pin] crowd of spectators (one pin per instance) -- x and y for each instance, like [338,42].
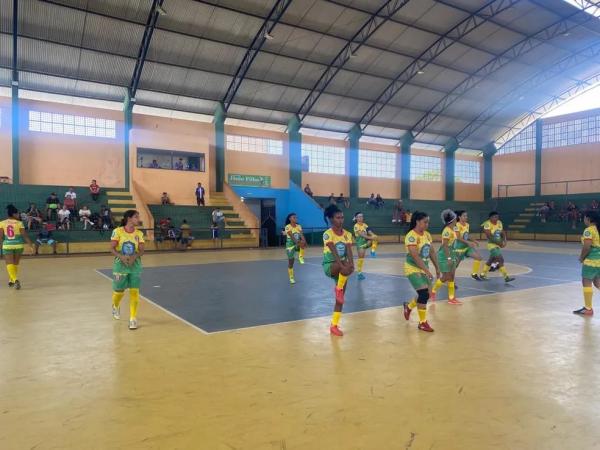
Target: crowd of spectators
[569,212]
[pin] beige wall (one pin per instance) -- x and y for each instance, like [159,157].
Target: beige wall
[428,190]
[324,184]
[514,168]
[5,138]
[388,188]
[578,162]
[246,163]
[170,134]
[57,159]
[467,192]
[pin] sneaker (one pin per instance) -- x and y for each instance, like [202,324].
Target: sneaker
[454,301]
[333,329]
[407,310]
[483,277]
[373,254]
[584,312]
[292,281]
[509,279]
[475,277]
[432,296]
[301,259]
[339,296]
[11,284]
[116,312]
[361,276]
[133,324]
[424,326]
[17,285]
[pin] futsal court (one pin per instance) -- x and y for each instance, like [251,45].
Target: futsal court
[211,364]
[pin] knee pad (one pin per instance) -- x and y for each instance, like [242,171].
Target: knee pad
[423,296]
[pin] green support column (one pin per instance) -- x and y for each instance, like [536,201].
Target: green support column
[15,115]
[354,139]
[405,143]
[219,121]
[128,124]
[450,150]
[538,157]
[295,150]
[488,156]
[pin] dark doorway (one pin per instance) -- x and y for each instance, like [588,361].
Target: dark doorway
[268,224]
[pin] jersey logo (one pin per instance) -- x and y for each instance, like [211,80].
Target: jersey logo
[326,236]
[411,239]
[425,251]
[341,249]
[128,248]
[587,233]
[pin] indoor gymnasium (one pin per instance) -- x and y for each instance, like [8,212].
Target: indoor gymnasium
[299,224]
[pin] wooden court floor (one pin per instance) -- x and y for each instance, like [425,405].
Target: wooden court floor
[510,370]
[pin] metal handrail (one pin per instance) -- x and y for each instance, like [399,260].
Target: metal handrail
[565,182]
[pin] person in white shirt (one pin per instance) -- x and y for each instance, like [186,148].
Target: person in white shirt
[85,216]
[64,215]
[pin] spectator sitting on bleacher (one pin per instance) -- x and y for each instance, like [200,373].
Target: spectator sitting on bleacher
[595,206]
[371,201]
[217,216]
[64,218]
[308,191]
[94,190]
[165,200]
[379,201]
[185,235]
[573,214]
[544,212]
[106,218]
[71,201]
[33,216]
[85,216]
[52,205]
[331,199]
[398,215]
[45,237]
[343,200]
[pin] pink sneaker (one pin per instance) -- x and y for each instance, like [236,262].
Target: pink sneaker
[333,329]
[454,301]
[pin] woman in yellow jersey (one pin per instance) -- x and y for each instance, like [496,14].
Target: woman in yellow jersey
[338,262]
[13,237]
[127,246]
[496,236]
[419,250]
[365,238]
[465,246]
[590,260]
[294,242]
[447,258]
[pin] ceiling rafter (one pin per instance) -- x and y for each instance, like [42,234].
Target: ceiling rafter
[522,47]
[452,36]
[375,21]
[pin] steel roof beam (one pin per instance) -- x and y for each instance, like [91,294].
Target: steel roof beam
[375,21]
[587,55]
[558,28]
[144,46]
[261,36]
[453,35]
[555,101]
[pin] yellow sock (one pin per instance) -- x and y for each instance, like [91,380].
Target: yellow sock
[422,315]
[437,285]
[374,245]
[588,293]
[134,301]
[450,290]
[341,281]
[486,269]
[291,272]
[359,264]
[476,266]
[12,272]
[335,318]
[503,271]
[301,253]
[117,297]
[412,303]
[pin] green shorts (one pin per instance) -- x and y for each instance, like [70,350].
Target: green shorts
[418,280]
[445,265]
[291,251]
[464,253]
[590,272]
[362,243]
[126,277]
[13,250]
[496,252]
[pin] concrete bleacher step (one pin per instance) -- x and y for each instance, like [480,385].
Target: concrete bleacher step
[531,209]
[526,214]
[119,194]
[120,201]
[517,226]
[523,220]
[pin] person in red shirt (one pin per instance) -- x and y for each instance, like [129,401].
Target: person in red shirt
[94,190]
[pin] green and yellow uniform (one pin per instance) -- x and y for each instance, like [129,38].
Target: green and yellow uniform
[446,266]
[591,264]
[495,239]
[340,242]
[417,277]
[359,230]
[13,242]
[290,246]
[462,250]
[127,244]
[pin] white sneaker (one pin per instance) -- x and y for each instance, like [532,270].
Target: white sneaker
[116,313]
[133,324]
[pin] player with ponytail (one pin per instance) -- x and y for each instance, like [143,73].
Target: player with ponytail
[447,257]
[13,237]
[127,246]
[365,238]
[590,260]
[295,242]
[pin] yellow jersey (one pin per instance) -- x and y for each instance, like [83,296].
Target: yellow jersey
[13,239]
[340,242]
[593,258]
[360,228]
[296,232]
[449,234]
[462,231]
[127,243]
[496,233]
[423,243]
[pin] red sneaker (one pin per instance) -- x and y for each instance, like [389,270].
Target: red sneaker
[454,301]
[432,296]
[584,312]
[339,296]
[424,326]
[333,329]
[407,311]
